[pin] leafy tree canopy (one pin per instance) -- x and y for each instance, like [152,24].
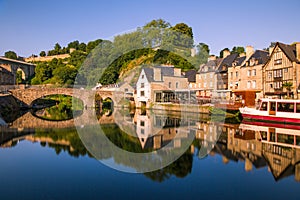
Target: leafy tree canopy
[11,55]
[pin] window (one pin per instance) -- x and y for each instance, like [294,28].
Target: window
[142,123]
[286,70]
[142,76]
[253,84]
[254,72]
[126,89]
[142,93]
[170,84]
[264,106]
[211,75]
[277,61]
[142,85]
[205,84]
[298,108]
[231,75]
[248,84]
[210,84]
[236,74]
[277,73]
[142,132]
[270,75]
[177,84]
[285,107]
[249,73]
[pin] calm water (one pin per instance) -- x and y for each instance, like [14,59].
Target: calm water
[41,160]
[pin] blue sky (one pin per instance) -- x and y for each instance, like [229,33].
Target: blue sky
[28,27]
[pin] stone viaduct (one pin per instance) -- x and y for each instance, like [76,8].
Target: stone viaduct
[13,66]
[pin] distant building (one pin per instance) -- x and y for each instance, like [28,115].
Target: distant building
[206,80]
[282,67]
[245,76]
[161,84]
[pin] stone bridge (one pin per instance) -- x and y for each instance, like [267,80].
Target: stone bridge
[13,66]
[28,95]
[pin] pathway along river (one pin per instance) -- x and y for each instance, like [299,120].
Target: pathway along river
[53,163]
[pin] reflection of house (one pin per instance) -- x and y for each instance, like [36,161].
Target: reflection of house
[161,84]
[283,66]
[245,76]
[280,147]
[157,131]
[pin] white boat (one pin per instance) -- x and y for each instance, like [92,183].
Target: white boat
[274,110]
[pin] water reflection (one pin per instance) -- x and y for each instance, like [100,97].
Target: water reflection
[257,145]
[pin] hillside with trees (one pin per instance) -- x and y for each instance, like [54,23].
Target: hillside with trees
[156,43]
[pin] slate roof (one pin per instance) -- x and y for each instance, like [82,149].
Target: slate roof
[261,56]
[191,75]
[165,71]
[227,62]
[211,66]
[289,50]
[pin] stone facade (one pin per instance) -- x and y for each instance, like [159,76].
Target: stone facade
[6,77]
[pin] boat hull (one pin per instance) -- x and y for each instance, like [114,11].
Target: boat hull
[271,118]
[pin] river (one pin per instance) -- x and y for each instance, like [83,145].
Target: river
[43,160]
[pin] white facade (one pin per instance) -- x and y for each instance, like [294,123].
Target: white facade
[143,88]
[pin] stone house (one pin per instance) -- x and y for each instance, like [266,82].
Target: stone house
[282,67]
[161,84]
[245,76]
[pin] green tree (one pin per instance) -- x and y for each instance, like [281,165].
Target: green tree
[238,50]
[158,23]
[184,29]
[82,46]
[288,86]
[91,45]
[11,55]
[19,77]
[221,52]
[74,45]
[42,53]
[203,53]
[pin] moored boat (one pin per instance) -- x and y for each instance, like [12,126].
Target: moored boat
[274,110]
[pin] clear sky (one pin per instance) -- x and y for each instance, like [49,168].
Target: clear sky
[28,27]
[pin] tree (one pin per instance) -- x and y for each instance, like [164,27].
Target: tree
[91,45]
[11,55]
[43,54]
[184,29]
[73,45]
[203,52]
[238,50]
[288,86]
[19,77]
[221,52]
[158,23]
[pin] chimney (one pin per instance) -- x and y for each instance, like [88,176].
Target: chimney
[226,53]
[242,54]
[298,50]
[249,51]
[211,57]
[157,74]
[177,72]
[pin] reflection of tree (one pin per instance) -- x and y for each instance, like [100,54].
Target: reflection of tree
[180,168]
[74,147]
